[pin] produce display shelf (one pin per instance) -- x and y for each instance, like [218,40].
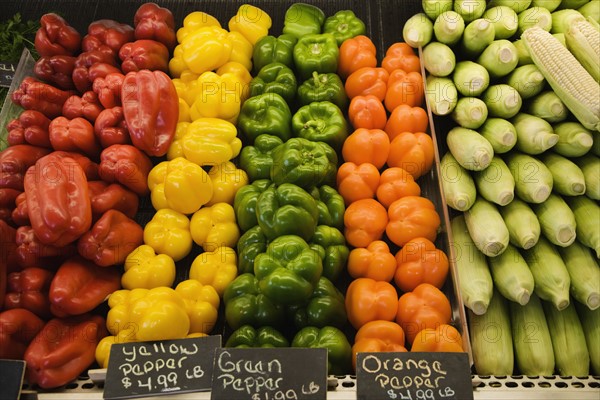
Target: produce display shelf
[344,388]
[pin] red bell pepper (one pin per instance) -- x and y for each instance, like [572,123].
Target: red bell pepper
[18,327]
[75,135]
[86,106]
[16,134]
[90,168]
[58,201]
[80,286]
[39,96]
[8,202]
[107,35]
[144,54]
[108,89]
[8,255]
[111,239]
[31,252]
[31,128]
[56,37]
[101,70]
[81,72]
[28,289]
[57,70]
[151,109]
[112,196]
[63,349]
[20,215]
[126,165]
[157,23]
[110,127]
[15,161]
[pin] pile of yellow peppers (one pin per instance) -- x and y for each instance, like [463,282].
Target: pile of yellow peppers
[193,191]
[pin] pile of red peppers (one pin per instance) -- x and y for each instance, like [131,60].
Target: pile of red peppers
[96,110]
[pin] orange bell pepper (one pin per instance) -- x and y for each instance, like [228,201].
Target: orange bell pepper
[419,261]
[375,262]
[412,217]
[378,336]
[394,184]
[367,146]
[425,307]
[355,53]
[405,118]
[367,112]
[370,300]
[443,338]
[404,88]
[367,80]
[401,56]
[364,221]
[357,182]
[412,152]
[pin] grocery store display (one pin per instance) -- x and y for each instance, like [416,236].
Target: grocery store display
[171,179]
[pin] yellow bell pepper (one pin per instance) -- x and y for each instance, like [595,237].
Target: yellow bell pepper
[194,21]
[145,269]
[215,226]
[216,96]
[201,304]
[188,76]
[252,22]
[241,50]
[176,64]
[155,314]
[195,335]
[168,232]
[125,335]
[200,50]
[215,268]
[237,69]
[180,185]
[207,141]
[180,86]
[175,149]
[226,180]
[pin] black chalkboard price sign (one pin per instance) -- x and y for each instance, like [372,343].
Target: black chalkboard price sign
[158,368]
[11,378]
[413,376]
[7,72]
[269,374]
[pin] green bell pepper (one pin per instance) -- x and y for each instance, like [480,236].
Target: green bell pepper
[339,351]
[323,87]
[251,243]
[321,121]
[275,78]
[245,304]
[270,49]
[267,113]
[331,206]
[316,52]
[304,163]
[302,19]
[244,203]
[256,160]
[324,308]
[287,209]
[288,271]
[247,336]
[344,25]
[331,245]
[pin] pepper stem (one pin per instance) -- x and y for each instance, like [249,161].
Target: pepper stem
[316,79]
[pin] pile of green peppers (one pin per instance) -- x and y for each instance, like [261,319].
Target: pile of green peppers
[292,250]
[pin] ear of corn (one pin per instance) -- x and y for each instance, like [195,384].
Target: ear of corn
[500,133]
[531,338]
[496,183]
[568,178]
[574,139]
[587,215]
[557,220]
[590,166]
[512,277]
[547,105]
[584,273]
[491,339]
[590,320]
[568,341]
[534,135]
[583,40]
[574,85]
[533,180]
[522,223]
[470,149]
[457,184]
[486,227]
